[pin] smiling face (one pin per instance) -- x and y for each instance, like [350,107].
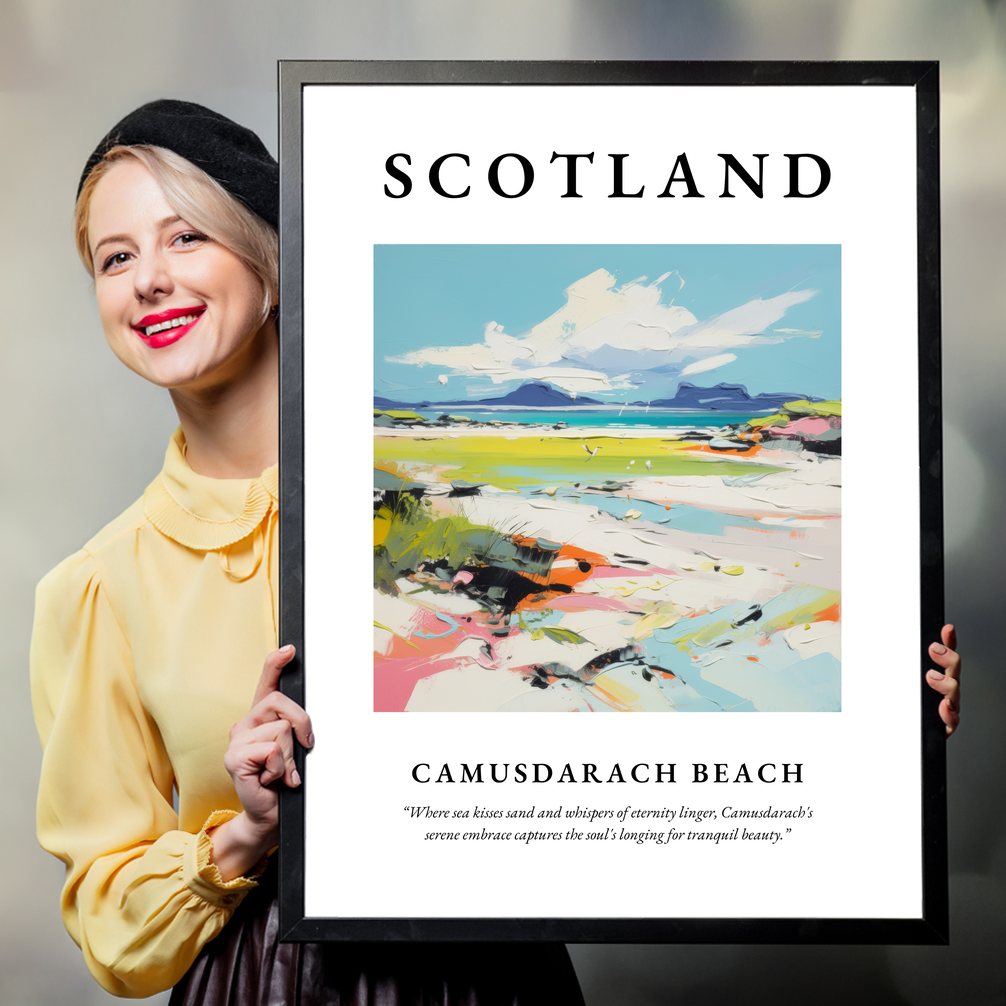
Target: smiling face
[177,307]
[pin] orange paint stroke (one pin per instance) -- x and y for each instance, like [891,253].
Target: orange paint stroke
[566,571]
[703,448]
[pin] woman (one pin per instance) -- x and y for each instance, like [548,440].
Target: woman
[149,642]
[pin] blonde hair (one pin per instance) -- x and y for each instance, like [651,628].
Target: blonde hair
[199,200]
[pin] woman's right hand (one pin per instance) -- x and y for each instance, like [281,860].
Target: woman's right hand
[260,753]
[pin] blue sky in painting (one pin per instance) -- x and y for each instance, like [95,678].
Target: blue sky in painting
[611,322]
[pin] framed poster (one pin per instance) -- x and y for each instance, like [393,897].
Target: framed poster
[643,360]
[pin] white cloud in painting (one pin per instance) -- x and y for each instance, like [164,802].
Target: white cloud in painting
[615,338]
[710,363]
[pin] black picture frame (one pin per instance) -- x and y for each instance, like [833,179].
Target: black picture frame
[931,927]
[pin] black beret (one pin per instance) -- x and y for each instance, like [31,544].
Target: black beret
[230,154]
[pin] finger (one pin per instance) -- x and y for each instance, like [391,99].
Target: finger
[271,670]
[276,706]
[949,636]
[950,716]
[259,760]
[949,708]
[274,732]
[280,733]
[948,659]
[274,766]
[944,684]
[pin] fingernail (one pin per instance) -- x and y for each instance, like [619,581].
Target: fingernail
[287,649]
[310,740]
[938,648]
[936,675]
[295,777]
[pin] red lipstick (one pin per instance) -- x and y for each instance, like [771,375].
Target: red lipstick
[166,327]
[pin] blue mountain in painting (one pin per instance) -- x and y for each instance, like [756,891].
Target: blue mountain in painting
[538,394]
[688,397]
[530,395]
[725,398]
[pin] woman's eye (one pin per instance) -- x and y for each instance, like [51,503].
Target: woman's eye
[114,261]
[190,238]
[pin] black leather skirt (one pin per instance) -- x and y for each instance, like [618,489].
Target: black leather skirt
[246,965]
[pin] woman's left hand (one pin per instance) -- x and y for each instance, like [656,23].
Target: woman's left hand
[948,681]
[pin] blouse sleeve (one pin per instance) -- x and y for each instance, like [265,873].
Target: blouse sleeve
[141,898]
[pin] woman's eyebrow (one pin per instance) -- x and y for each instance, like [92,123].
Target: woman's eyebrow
[160,225]
[109,240]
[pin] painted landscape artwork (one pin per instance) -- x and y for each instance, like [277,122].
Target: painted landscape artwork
[607,478]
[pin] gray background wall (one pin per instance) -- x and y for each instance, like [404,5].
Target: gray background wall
[81,436]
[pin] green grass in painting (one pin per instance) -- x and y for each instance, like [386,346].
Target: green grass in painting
[412,417]
[409,535]
[792,411]
[509,463]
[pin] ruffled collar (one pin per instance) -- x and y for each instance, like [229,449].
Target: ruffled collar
[203,513]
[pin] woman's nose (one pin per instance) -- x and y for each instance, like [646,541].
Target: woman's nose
[152,277]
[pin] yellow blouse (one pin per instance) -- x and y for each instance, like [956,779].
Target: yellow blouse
[147,647]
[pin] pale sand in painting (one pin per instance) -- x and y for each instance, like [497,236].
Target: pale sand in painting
[529,568]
